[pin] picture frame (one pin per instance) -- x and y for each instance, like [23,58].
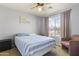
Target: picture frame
[23,20]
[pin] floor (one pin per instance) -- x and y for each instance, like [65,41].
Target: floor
[58,51]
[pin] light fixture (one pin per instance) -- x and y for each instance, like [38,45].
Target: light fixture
[40,8]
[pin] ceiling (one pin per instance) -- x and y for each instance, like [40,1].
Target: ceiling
[27,7]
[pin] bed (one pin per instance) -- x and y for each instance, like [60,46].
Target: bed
[34,45]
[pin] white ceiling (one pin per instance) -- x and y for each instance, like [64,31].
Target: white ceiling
[27,7]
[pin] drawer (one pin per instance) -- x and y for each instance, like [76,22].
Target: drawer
[5,47]
[5,42]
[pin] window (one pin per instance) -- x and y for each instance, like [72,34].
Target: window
[54,25]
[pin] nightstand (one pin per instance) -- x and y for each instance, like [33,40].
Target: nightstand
[5,44]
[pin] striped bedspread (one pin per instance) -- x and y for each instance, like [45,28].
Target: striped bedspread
[29,45]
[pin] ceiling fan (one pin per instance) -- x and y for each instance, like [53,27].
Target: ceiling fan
[42,6]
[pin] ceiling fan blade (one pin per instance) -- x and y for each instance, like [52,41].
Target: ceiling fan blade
[34,5]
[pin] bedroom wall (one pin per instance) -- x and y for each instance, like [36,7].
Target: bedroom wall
[74,21]
[9,23]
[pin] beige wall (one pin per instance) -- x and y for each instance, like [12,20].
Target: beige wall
[9,23]
[74,20]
